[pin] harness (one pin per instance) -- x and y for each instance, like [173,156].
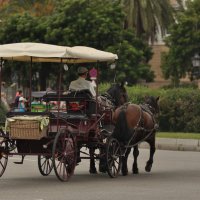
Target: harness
[140,125]
[109,97]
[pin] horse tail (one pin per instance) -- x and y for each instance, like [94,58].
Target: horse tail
[121,131]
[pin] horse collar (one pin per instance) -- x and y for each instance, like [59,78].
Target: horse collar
[107,95]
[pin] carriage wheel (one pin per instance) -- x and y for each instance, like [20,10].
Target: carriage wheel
[113,157]
[3,156]
[45,164]
[64,155]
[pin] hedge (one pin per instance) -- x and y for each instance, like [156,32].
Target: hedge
[179,107]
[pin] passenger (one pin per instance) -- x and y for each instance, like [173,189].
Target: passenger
[20,102]
[18,95]
[81,83]
[21,105]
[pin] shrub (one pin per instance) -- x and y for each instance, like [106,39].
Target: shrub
[179,107]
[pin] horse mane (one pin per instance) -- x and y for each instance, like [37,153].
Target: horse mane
[113,93]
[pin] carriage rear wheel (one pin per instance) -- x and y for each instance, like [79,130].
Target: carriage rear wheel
[64,155]
[45,164]
[3,156]
[113,157]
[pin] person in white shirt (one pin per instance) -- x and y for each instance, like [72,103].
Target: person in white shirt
[81,83]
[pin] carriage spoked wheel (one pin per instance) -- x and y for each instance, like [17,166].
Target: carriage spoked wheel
[3,156]
[113,157]
[45,164]
[64,155]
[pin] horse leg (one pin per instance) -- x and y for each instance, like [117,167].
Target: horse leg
[152,151]
[92,161]
[124,169]
[135,155]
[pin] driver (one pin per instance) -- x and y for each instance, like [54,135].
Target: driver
[81,83]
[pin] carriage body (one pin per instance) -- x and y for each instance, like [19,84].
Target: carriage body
[78,121]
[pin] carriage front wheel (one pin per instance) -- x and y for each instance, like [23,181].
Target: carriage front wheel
[3,156]
[113,157]
[45,164]
[64,155]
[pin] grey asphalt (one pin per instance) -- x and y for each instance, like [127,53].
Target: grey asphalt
[175,144]
[175,175]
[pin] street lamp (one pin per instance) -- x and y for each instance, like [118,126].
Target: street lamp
[196,65]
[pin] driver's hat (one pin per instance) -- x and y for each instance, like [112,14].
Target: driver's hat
[82,70]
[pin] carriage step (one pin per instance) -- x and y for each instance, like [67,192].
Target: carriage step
[20,162]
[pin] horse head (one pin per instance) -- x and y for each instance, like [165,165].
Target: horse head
[152,103]
[118,93]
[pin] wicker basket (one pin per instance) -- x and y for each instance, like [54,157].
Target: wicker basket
[26,129]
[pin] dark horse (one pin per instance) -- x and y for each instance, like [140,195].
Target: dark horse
[134,124]
[113,98]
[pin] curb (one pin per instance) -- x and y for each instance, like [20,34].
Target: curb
[175,144]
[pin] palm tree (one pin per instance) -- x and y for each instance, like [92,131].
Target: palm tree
[148,16]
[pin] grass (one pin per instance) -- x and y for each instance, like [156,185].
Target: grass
[178,135]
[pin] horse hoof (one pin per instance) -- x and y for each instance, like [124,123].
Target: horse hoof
[124,172]
[93,171]
[102,169]
[135,171]
[148,168]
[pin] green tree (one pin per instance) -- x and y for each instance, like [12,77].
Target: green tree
[134,55]
[184,42]
[91,23]
[86,23]
[34,7]
[145,16]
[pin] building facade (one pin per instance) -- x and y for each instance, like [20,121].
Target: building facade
[159,48]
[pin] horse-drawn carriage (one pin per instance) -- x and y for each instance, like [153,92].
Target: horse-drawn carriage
[56,135]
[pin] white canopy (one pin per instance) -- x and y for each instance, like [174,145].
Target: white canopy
[40,52]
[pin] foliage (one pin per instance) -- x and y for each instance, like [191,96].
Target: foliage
[85,23]
[184,42]
[34,7]
[133,55]
[148,16]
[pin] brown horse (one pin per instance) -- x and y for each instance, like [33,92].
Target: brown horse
[134,124]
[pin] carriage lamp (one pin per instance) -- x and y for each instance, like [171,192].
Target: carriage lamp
[113,66]
[93,73]
[65,67]
[93,76]
[196,65]
[37,75]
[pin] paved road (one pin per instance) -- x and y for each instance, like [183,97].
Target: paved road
[175,175]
